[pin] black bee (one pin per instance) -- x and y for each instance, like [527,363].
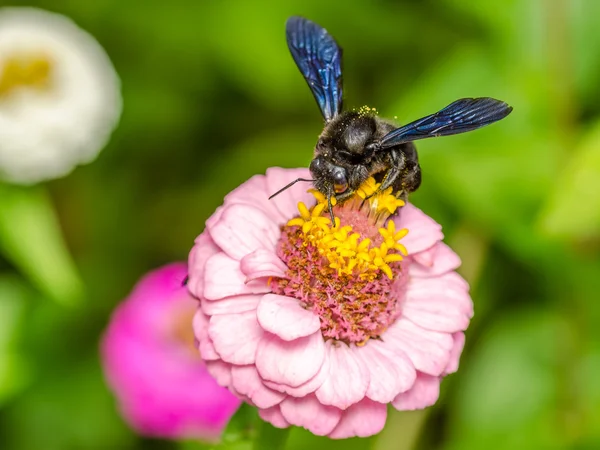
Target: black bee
[357,144]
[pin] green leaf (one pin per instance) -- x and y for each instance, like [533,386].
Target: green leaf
[246,431]
[573,206]
[241,427]
[270,437]
[301,439]
[31,238]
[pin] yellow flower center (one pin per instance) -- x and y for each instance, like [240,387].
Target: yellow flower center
[350,273]
[20,70]
[346,250]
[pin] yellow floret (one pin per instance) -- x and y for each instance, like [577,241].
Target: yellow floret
[386,200]
[379,201]
[321,198]
[345,250]
[310,220]
[368,188]
[391,237]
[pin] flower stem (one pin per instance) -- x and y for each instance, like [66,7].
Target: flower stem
[31,238]
[270,437]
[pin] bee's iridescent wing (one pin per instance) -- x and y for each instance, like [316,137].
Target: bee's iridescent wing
[466,114]
[319,58]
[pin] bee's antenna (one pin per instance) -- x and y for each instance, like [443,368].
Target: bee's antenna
[288,186]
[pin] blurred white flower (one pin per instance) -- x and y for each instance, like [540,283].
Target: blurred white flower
[59,95]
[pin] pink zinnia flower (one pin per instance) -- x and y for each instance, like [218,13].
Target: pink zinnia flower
[320,327]
[153,366]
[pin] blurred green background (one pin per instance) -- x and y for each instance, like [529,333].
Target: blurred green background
[211,97]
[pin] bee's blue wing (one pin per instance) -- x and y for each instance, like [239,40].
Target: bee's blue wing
[319,58]
[466,114]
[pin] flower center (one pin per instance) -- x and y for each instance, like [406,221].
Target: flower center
[24,70]
[350,274]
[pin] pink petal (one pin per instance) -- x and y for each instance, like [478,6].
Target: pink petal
[438,304]
[456,279]
[214,218]
[428,350]
[240,396]
[273,416]
[224,278]
[205,345]
[435,261]
[307,388]
[425,258]
[242,229]
[457,348]
[348,378]
[220,371]
[390,373]
[246,381]
[285,317]
[200,324]
[424,393]
[423,231]
[307,412]
[254,192]
[262,263]
[363,419]
[207,350]
[290,362]
[287,201]
[236,336]
[203,249]
[231,305]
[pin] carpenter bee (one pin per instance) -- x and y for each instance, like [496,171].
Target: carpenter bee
[355,145]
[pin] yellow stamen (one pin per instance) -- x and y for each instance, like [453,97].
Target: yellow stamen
[321,198]
[304,212]
[24,70]
[368,188]
[345,250]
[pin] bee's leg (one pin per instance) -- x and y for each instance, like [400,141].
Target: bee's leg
[393,177]
[339,198]
[404,174]
[397,162]
[411,179]
[330,194]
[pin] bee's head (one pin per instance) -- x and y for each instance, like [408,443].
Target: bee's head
[329,177]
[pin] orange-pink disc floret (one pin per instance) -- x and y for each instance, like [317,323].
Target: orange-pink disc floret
[351,308]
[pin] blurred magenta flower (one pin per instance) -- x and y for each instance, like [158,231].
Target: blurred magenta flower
[153,366]
[59,95]
[320,327]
